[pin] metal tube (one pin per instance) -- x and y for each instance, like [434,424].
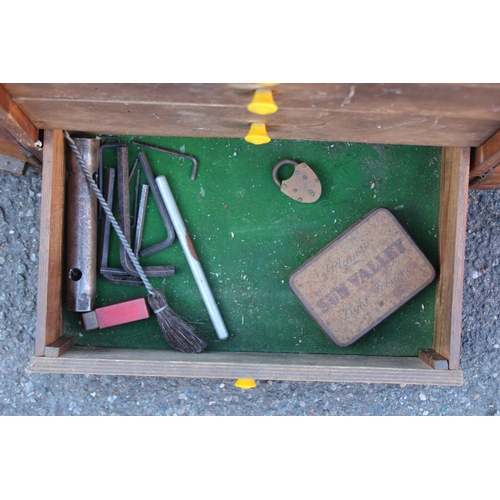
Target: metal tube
[81,233]
[192,258]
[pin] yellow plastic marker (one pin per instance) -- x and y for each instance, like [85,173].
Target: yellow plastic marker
[245,383]
[263,102]
[257,134]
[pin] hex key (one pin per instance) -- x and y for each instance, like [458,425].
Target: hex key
[124,220]
[161,207]
[174,153]
[136,193]
[140,217]
[113,275]
[104,146]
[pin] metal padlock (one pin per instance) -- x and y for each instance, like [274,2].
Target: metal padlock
[303,185]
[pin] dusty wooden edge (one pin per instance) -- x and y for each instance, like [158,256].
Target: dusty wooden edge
[24,135]
[50,267]
[452,234]
[433,359]
[258,366]
[485,158]
[488,181]
[59,346]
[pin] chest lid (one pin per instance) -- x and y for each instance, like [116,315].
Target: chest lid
[361,277]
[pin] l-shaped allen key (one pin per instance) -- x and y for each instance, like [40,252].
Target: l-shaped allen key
[173,153]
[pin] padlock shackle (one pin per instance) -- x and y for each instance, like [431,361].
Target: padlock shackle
[278,166]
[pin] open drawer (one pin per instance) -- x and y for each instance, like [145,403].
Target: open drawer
[436,363]
[455,117]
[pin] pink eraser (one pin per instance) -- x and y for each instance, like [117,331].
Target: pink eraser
[124,312]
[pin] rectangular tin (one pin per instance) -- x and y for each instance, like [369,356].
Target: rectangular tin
[361,277]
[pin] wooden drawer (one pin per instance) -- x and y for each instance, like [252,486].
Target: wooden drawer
[55,107]
[438,365]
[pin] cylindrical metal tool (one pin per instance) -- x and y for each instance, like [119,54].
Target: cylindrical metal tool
[192,258]
[81,229]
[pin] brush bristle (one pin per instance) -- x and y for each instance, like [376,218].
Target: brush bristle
[177,332]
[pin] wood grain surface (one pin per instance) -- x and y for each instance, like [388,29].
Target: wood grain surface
[18,135]
[452,233]
[50,270]
[421,114]
[485,164]
[258,366]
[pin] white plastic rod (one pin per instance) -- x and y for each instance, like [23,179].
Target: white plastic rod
[192,258]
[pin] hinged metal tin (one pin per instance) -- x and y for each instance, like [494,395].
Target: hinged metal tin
[361,277]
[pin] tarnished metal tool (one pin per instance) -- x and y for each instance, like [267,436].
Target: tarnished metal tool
[124,219]
[114,275]
[81,233]
[100,180]
[108,188]
[161,208]
[133,216]
[173,153]
[140,218]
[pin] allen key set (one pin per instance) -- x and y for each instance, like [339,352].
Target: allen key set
[90,200]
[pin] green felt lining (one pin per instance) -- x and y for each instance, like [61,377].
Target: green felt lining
[250,237]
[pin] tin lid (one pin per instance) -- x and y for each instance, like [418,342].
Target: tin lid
[361,277]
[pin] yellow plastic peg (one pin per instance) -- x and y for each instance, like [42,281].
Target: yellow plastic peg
[263,102]
[257,134]
[245,383]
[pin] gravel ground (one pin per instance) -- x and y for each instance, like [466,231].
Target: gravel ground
[22,393]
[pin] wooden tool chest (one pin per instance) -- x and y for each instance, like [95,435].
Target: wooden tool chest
[463,120]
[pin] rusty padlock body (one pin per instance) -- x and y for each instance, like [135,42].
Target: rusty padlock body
[302,186]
